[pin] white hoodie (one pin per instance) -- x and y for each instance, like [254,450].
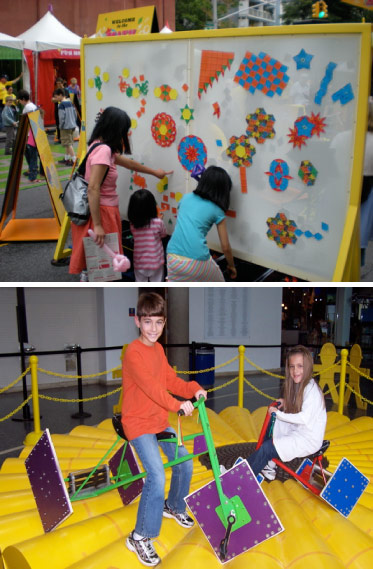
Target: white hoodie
[300,434]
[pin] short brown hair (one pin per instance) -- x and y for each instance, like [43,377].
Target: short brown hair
[151,304]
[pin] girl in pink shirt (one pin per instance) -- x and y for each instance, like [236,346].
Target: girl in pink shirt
[111,130]
[148,231]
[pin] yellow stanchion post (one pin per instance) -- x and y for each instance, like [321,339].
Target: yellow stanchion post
[241,360]
[33,437]
[342,382]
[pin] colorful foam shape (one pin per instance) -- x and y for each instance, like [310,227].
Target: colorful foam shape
[304,126]
[47,483]
[320,94]
[187,114]
[281,230]
[260,125]
[279,175]
[213,64]
[307,172]
[344,95]
[256,521]
[262,72]
[128,467]
[345,487]
[241,151]
[191,151]
[163,129]
[303,59]
[165,93]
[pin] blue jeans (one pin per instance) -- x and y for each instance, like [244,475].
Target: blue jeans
[31,154]
[150,512]
[259,458]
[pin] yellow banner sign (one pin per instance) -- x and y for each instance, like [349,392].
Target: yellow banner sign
[366,4]
[128,22]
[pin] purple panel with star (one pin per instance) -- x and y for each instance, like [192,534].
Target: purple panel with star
[130,466]
[47,483]
[262,523]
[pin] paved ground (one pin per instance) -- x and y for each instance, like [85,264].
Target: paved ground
[31,261]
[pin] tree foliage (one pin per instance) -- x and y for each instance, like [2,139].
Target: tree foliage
[195,14]
[338,12]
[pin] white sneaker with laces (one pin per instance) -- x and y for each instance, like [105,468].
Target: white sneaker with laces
[182,519]
[269,471]
[144,550]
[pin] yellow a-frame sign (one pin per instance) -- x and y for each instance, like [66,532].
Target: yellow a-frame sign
[31,229]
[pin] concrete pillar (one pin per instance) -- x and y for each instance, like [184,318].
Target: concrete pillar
[342,316]
[178,326]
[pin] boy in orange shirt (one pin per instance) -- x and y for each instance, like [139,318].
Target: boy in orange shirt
[148,381]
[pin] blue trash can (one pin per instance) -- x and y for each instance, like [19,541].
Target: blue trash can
[204,359]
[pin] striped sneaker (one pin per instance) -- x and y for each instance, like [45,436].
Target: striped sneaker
[182,519]
[144,550]
[269,471]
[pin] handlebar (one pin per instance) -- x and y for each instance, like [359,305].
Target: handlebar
[196,404]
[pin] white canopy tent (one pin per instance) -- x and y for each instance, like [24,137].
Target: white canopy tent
[49,33]
[10,41]
[48,39]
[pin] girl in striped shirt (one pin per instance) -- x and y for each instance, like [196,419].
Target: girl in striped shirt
[148,231]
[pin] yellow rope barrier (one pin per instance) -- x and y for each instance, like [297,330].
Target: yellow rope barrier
[325,369]
[208,369]
[257,390]
[108,394]
[224,385]
[359,371]
[62,400]
[263,370]
[359,394]
[16,410]
[15,381]
[68,376]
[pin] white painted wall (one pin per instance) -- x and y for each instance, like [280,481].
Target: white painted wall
[89,316]
[263,313]
[95,316]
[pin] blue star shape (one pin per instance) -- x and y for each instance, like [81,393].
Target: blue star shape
[303,59]
[304,127]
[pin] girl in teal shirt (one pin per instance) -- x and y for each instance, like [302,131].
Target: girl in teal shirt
[188,256]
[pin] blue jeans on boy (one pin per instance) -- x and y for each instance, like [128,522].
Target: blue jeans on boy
[31,154]
[262,456]
[150,511]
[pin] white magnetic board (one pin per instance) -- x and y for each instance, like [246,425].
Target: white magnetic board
[277,111]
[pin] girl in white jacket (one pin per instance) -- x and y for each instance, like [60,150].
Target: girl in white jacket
[300,417]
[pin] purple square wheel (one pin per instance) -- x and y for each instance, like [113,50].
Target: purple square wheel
[47,483]
[129,467]
[256,519]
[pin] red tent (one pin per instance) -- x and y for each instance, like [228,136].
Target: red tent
[51,50]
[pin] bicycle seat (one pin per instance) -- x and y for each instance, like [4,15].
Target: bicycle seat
[165,435]
[322,449]
[118,428]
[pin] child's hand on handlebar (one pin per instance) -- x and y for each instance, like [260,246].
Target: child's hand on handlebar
[200,393]
[272,409]
[187,407]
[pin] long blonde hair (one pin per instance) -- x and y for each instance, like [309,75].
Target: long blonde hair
[293,392]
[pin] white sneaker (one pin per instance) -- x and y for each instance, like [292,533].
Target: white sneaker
[269,471]
[223,470]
